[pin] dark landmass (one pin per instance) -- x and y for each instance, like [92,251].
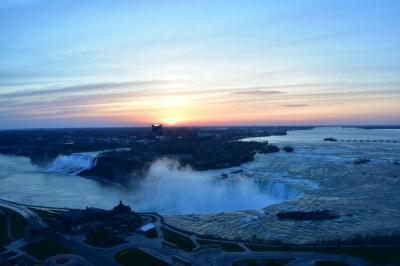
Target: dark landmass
[43,145]
[201,148]
[330,139]
[308,215]
[103,237]
[198,154]
[377,126]
[288,149]
[361,161]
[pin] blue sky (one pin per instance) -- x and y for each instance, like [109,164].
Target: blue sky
[118,63]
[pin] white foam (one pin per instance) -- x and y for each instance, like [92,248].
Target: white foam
[170,188]
[72,164]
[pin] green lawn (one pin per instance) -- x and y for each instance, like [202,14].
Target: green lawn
[224,246]
[45,248]
[151,234]
[103,238]
[4,240]
[181,241]
[136,257]
[257,262]
[375,255]
[17,222]
[329,263]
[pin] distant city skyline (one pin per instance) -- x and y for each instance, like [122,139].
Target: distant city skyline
[134,63]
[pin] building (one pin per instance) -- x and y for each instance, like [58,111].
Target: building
[121,209]
[120,219]
[147,227]
[157,129]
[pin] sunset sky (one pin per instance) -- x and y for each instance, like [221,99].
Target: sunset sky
[132,63]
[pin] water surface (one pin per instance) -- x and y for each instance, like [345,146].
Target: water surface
[172,190]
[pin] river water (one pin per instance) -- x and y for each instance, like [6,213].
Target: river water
[169,189]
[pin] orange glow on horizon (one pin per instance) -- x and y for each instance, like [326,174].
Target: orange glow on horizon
[234,109]
[171,121]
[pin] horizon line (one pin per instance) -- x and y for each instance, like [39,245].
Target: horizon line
[394,126]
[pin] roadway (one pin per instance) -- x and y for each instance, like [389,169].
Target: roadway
[32,218]
[208,256]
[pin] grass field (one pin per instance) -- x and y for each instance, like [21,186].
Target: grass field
[136,257]
[375,255]
[181,241]
[329,263]
[17,222]
[45,248]
[151,234]
[103,238]
[224,246]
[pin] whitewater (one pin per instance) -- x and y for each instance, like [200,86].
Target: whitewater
[171,189]
[167,187]
[72,164]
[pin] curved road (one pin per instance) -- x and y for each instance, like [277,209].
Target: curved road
[33,219]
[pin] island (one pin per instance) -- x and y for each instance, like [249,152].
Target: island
[126,152]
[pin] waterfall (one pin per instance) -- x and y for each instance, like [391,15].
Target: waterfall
[278,190]
[72,164]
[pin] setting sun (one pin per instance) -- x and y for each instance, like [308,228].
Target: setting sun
[170,121]
[200,132]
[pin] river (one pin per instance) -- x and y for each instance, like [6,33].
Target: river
[171,190]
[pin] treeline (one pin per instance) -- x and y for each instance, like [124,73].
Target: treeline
[196,153]
[200,148]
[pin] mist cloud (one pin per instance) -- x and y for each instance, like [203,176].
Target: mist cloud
[172,189]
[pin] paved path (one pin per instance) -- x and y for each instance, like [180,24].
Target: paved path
[33,219]
[153,247]
[96,256]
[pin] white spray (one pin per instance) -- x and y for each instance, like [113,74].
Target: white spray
[72,164]
[172,189]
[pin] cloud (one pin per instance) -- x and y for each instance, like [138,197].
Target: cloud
[257,92]
[97,87]
[294,105]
